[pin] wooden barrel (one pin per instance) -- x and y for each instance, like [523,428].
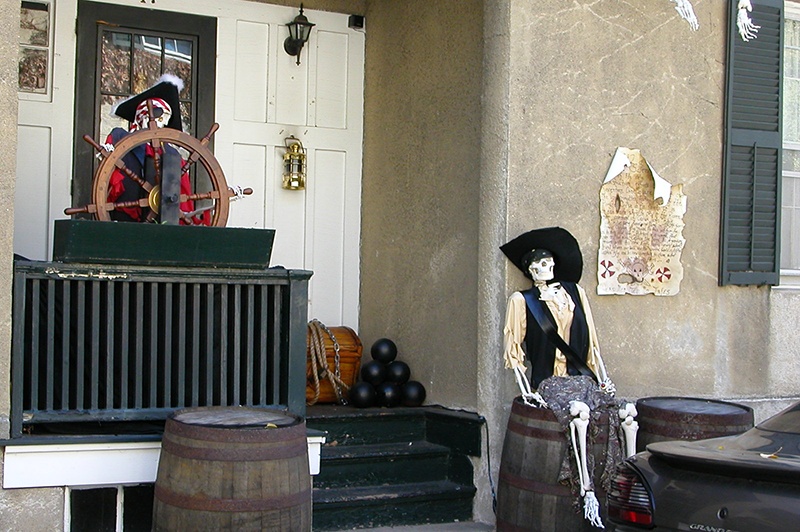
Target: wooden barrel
[349,363]
[688,418]
[529,496]
[233,468]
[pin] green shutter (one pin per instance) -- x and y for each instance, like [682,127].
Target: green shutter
[750,227]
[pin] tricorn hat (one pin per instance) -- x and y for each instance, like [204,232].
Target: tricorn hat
[167,88]
[556,240]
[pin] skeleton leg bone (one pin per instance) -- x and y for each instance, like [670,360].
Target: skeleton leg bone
[629,426]
[578,427]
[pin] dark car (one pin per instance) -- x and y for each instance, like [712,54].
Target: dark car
[744,483]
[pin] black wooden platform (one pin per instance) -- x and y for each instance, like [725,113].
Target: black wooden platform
[394,466]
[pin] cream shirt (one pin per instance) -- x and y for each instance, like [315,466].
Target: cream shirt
[515,328]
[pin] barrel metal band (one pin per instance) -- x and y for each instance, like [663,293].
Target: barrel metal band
[230,454]
[536,432]
[689,431]
[196,502]
[534,486]
[236,434]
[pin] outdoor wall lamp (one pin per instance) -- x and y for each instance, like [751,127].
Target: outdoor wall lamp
[299,31]
[294,164]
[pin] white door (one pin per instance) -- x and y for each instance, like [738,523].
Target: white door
[44,128]
[262,97]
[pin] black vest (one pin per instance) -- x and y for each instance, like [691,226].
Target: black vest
[540,350]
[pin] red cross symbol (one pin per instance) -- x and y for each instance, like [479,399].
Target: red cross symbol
[663,274]
[607,271]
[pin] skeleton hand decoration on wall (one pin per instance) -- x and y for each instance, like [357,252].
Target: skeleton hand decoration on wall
[747,29]
[686,11]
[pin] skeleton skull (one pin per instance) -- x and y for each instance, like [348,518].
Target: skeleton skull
[541,268]
[161,113]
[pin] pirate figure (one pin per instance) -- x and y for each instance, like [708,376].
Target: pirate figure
[159,104]
[551,326]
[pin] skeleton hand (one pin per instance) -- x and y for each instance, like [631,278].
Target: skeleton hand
[591,509]
[686,11]
[108,147]
[747,29]
[607,387]
[534,399]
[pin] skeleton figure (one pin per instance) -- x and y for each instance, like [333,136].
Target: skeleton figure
[554,323]
[747,30]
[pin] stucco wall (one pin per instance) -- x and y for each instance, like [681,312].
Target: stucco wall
[577,81]
[420,190]
[9,29]
[595,76]
[34,510]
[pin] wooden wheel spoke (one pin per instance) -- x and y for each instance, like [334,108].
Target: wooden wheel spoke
[126,204]
[156,144]
[87,209]
[134,176]
[194,155]
[212,194]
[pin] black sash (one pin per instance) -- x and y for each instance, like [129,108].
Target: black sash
[552,334]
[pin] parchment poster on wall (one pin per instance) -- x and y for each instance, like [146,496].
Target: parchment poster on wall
[641,229]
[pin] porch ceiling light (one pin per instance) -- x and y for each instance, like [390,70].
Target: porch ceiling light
[299,31]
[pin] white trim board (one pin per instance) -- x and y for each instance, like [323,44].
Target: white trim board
[96,464]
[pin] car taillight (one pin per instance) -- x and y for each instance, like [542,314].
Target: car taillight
[628,499]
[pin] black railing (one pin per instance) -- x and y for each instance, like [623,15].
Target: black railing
[120,343]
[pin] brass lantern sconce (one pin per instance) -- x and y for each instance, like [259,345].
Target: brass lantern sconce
[294,165]
[299,32]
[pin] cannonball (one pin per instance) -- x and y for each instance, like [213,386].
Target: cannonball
[389,394]
[398,372]
[384,350]
[413,394]
[373,372]
[363,395]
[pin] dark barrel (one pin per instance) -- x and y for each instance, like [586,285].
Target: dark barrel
[529,496]
[688,418]
[233,468]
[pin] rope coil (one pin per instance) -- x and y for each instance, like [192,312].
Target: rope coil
[319,363]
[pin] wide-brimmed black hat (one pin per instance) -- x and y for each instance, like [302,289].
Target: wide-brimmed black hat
[167,88]
[556,240]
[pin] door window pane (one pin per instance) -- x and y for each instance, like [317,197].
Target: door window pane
[132,62]
[34,43]
[115,60]
[33,70]
[146,62]
[178,61]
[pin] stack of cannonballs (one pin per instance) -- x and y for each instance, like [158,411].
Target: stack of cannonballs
[385,381]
